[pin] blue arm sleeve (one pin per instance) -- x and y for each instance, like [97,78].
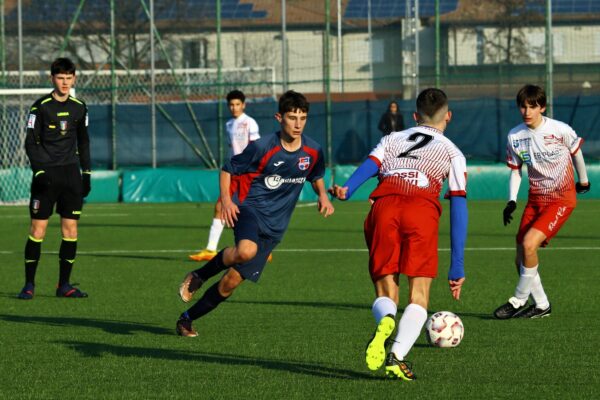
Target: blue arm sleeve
[459,218]
[365,171]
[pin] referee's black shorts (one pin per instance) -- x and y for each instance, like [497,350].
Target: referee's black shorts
[65,190]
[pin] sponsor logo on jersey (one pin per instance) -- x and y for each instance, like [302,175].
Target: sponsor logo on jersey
[303,163]
[525,156]
[31,121]
[551,139]
[275,181]
[521,142]
[278,163]
[546,155]
[412,176]
[63,127]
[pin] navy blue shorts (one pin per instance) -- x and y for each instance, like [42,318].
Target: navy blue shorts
[247,228]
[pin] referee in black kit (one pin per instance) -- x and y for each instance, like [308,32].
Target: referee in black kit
[57,145]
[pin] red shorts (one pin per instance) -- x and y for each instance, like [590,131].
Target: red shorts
[402,237]
[547,218]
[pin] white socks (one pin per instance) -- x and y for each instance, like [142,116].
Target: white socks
[409,329]
[383,306]
[215,234]
[526,279]
[538,294]
[530,283]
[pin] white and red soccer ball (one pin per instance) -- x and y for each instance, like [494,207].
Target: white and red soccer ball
[444,329]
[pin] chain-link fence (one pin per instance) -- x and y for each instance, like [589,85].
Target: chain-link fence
[154,72]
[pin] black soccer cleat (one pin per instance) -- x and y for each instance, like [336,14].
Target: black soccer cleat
[70,291]
[26,292]
[534,312]
[184,327]
[510,310]
[398,369]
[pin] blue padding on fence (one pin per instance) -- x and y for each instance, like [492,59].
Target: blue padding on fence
[478,127]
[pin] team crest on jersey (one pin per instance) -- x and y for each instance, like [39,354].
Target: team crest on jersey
[31,121]
[303,163]
[63,127]
[516,143]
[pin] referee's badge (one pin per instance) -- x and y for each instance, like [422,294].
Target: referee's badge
[303,163]
[63,127]
[35,206]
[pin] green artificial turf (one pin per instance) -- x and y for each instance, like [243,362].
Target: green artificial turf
[301,331]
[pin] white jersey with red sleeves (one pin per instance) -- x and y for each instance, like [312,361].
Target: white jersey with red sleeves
[416,162]
[241,131]
[547,152]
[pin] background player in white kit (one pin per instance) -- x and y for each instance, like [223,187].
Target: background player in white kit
[550,149]
[241,130]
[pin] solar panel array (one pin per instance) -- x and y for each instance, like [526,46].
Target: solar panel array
[567,6]
[43,10]
[395,8]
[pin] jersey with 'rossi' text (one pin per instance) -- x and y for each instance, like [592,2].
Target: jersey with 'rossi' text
[416,161]
[547,152]
[267,179]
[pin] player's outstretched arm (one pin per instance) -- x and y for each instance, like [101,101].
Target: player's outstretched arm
[323,203]
[459,218]
[229,210]
[365,171]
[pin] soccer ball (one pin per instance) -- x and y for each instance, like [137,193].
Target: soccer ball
[444,329]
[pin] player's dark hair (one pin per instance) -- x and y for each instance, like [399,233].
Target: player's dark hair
[532,95]
[430,101]
[62,66]
[291,101]
[236,95]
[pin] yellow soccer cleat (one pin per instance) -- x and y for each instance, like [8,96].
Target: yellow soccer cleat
[204,255]
[398,369]
[270,258]
[375,354]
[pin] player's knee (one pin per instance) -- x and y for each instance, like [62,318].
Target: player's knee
[38,233]
[246,254]
[529,246]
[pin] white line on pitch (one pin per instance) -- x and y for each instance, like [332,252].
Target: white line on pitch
[139,251]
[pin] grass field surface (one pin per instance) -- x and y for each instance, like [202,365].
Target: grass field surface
[301,331]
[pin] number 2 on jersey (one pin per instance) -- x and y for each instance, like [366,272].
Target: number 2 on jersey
[413,138]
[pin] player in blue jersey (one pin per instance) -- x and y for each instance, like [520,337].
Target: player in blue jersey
[259,191]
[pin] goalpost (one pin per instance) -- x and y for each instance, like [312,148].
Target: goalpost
[15,171]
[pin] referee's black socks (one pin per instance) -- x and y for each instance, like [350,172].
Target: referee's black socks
[66,256]
[33,249]
[208,302]
[212,268]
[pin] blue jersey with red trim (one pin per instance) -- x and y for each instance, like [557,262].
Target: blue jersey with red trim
[267,179]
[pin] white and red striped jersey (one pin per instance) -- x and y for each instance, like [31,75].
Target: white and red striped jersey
[241,131]
[547,152]
[416,162]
